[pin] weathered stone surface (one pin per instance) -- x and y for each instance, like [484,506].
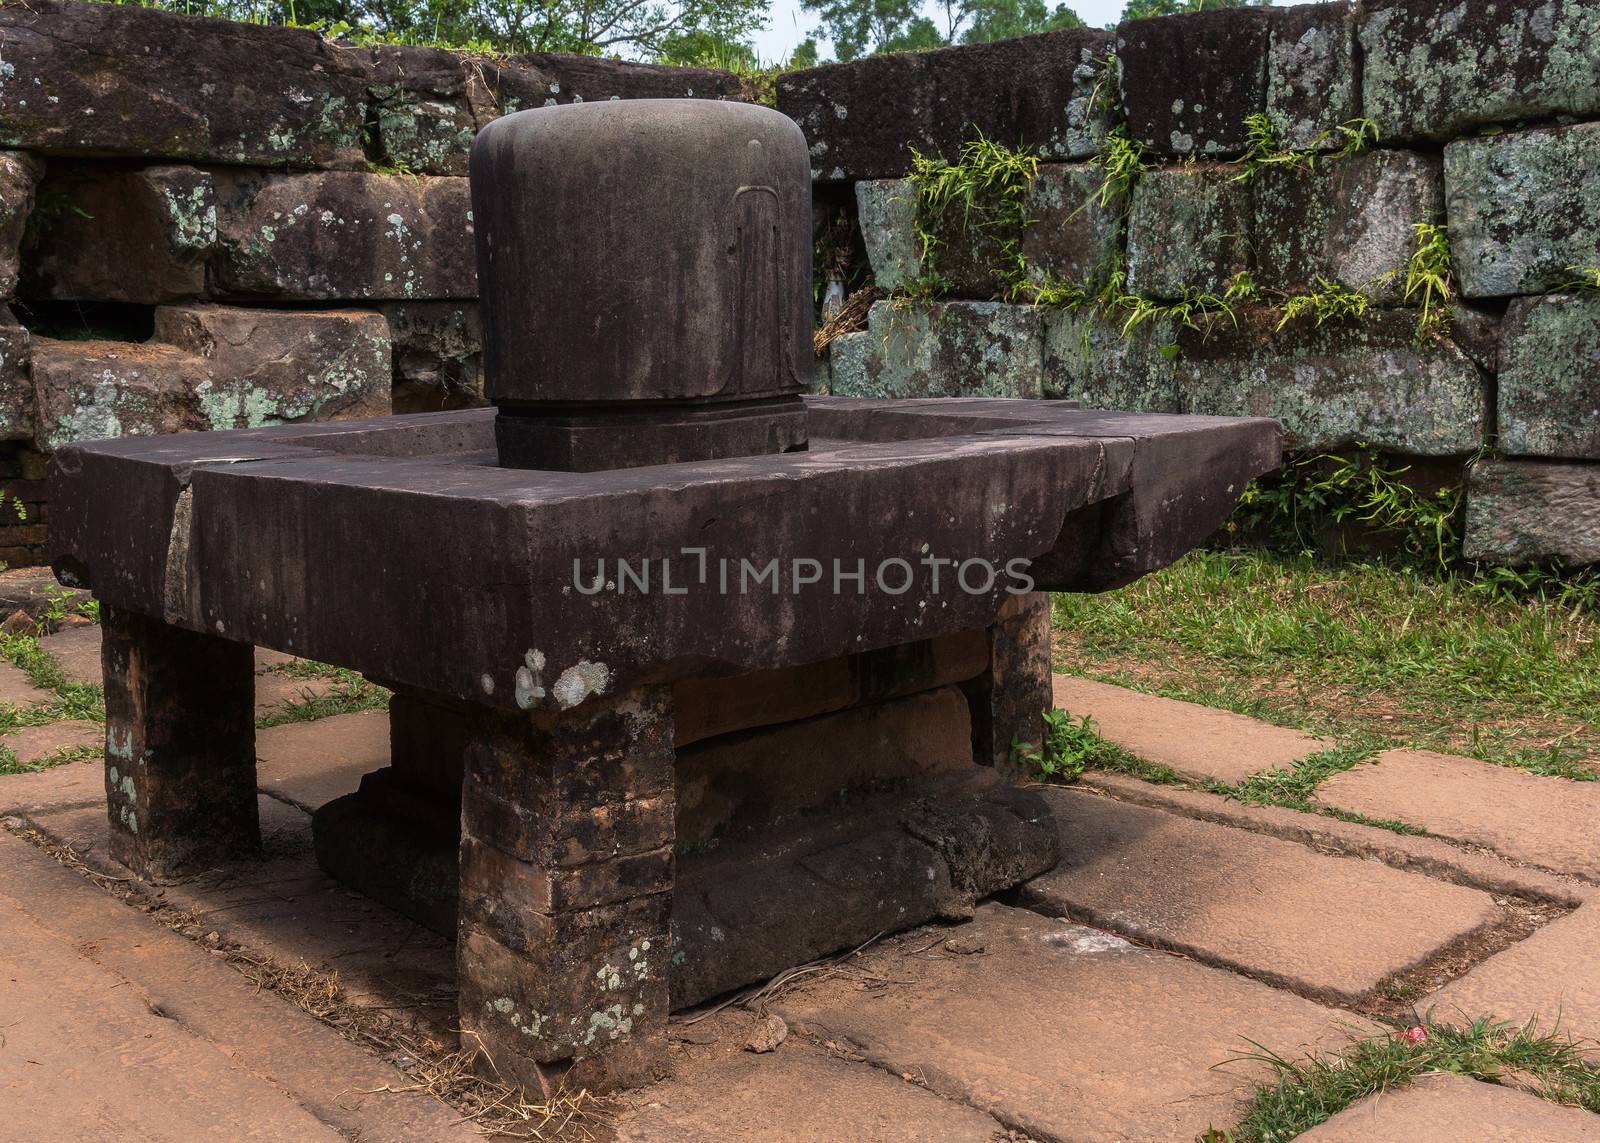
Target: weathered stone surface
[88,390]
[128,236]
[1277,911]
[1547,822]
[1340,383]
[178,88]
[1089,359]
[1352,221]
[17,402]
[438,355]
[18,175]
[76,651]
[422,112]
[1037,1030]
[1198,742]
[1189,230]
[42,743]
[344,235]
[862,119]
[1551,976]
[1010,699]
[943,349]
[718,1090]
[752,780]
[1190,81]
[1550,377]
[279,366]
[16,689]
[1524,208]
[1311,73]
[1432,70]
[1444,1108]
[1072,238]
[546,79]
[1524,512]
[888,215]
[311,763]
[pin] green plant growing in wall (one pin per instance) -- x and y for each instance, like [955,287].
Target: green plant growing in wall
[1121,161]
[1584,278]
[985,193]
[1429,280]
[1264,149]
[1328,301]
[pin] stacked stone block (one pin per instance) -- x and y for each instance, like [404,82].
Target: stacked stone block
[1487,117]
[208,225]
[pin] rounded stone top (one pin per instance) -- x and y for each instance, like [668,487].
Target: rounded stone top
[643,250]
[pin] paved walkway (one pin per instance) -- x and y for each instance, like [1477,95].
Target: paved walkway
[1096,1004]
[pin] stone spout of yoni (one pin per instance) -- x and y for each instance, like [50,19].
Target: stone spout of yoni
[645,274]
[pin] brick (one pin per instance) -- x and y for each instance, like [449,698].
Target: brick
[1057,1024]
[1188,230]
[1551,976]
[1526,512]
[1190,81]
[1434,70]
[1340,383]
[179,88]
[943,349]
[1442,1108]
[1545,822]
[1352,221]
[344,235]
[1522,213]
[863,118]
[139,236]
[1312,84]
[1550,377]
[1274,910]
[718,1090]
[422,111]
[1197,741]
[88,390]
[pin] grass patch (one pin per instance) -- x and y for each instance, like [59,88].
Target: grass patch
[1374,655]
[1311,1091]
[73,700]
[351,694]
[1072,747]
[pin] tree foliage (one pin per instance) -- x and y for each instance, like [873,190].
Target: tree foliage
[867,27]
[1139,9]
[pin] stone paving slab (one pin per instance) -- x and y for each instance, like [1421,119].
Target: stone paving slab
[85,1057]
[1427,855]
[33,743]
[77,649]
[1554,975]
[1197,741]
[17,690]
[1547,822]
[339,1082]
[1281,912]
[1450,1109]
[286,907]
[311,763]
[720,1091]
[78,783]
[1062,1031]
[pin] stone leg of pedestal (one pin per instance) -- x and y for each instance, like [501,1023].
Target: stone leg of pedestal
[566,890]
[180,746]
[1010,698]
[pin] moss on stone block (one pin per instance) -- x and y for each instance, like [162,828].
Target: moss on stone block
[1525,512]
[1188,230]
[1550,377]
[942,349]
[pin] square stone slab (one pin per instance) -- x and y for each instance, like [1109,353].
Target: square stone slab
[1197,741]
[1058,1030]
[1553,975]
[1552,823]
[77,649]
[1278,911]
[17,690]
[312,763]
[1450,1109]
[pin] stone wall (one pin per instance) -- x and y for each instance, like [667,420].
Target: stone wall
[1487,117]
[211,225]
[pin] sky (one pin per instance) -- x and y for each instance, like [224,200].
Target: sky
[790,24]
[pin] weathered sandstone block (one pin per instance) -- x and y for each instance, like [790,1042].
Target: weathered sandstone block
[344,235]
[1087,358]
[1524,512]
[18,174]
[887,209]
[1071,238]
[1550,377]
[942,349]
[862,119]
[16,388]
[1524,209]
[1351,221]
[127,236]
[438,355]
[1189,82]
[92,389]
[1311,72]
[1433,70]
[1344,382]
[1188,230]
[106,79]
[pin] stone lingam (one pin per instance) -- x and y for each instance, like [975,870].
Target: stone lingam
[695,677]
